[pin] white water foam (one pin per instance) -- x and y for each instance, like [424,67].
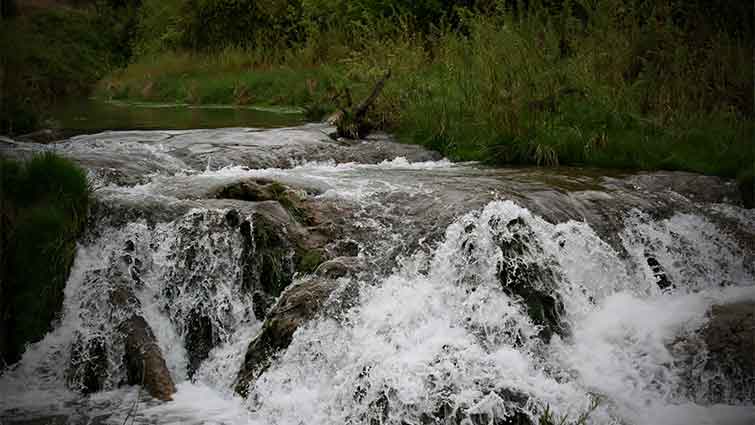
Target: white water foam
[438,333]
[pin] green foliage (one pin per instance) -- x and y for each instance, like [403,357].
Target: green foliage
[309,261]
[55,53]
[213,24]
[635,84]
[45,202]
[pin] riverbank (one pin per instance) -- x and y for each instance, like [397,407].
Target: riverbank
[558,84]
[503,90]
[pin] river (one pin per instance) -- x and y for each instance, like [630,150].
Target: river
[433,326]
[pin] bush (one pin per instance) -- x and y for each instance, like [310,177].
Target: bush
[55,53]
[44,206]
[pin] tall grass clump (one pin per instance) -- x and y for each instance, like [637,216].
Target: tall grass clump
[611,87]
[44,208]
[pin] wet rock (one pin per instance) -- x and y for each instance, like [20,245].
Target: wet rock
[129,246]
[730,340]
[261,304]
[233,218]
[144,361]
[530,281]
[260,190]
[89,365]
[297,305]
[347,248]
[268,255]
[339,267]
[696,187]
[199,339]
[123,298]
[44,136]
[717,362]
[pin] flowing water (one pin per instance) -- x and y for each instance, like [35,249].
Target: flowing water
[429,327]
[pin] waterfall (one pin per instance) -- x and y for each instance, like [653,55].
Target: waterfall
[488,296]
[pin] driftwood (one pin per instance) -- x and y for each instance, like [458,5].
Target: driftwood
[351,122]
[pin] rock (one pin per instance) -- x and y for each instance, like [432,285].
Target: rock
[261,304]
[696,187]
[268,255]
[297,305]
[661,278]
[89,365]
[730,339]
[142,358]
[144,361]
[198,340]
[530,281]
[716,363]
[339,267]
[260,190]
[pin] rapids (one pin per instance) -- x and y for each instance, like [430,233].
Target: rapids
[428,325]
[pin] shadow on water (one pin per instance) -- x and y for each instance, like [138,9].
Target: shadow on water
[91,116]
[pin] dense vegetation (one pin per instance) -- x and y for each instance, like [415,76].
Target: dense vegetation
[57,51]
[44,204]
[635,84]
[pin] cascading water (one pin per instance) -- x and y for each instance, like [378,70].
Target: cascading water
[489,298]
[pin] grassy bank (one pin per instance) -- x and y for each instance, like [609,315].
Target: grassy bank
[612,87]
[44,206]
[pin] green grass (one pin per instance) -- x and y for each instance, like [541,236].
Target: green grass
[229,78]
[626,94]
[44,208]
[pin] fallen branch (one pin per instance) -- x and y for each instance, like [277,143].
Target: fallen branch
[352,123]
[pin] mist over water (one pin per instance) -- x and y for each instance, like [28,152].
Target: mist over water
[431,328]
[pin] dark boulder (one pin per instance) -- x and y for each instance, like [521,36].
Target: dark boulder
[142,358]
[268,255]
[199,339]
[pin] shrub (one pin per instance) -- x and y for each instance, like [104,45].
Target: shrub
[44,206]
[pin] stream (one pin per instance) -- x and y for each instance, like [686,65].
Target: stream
[435,325]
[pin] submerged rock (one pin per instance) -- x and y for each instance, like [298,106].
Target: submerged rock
[89,365]
[730,340]
[718,360]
